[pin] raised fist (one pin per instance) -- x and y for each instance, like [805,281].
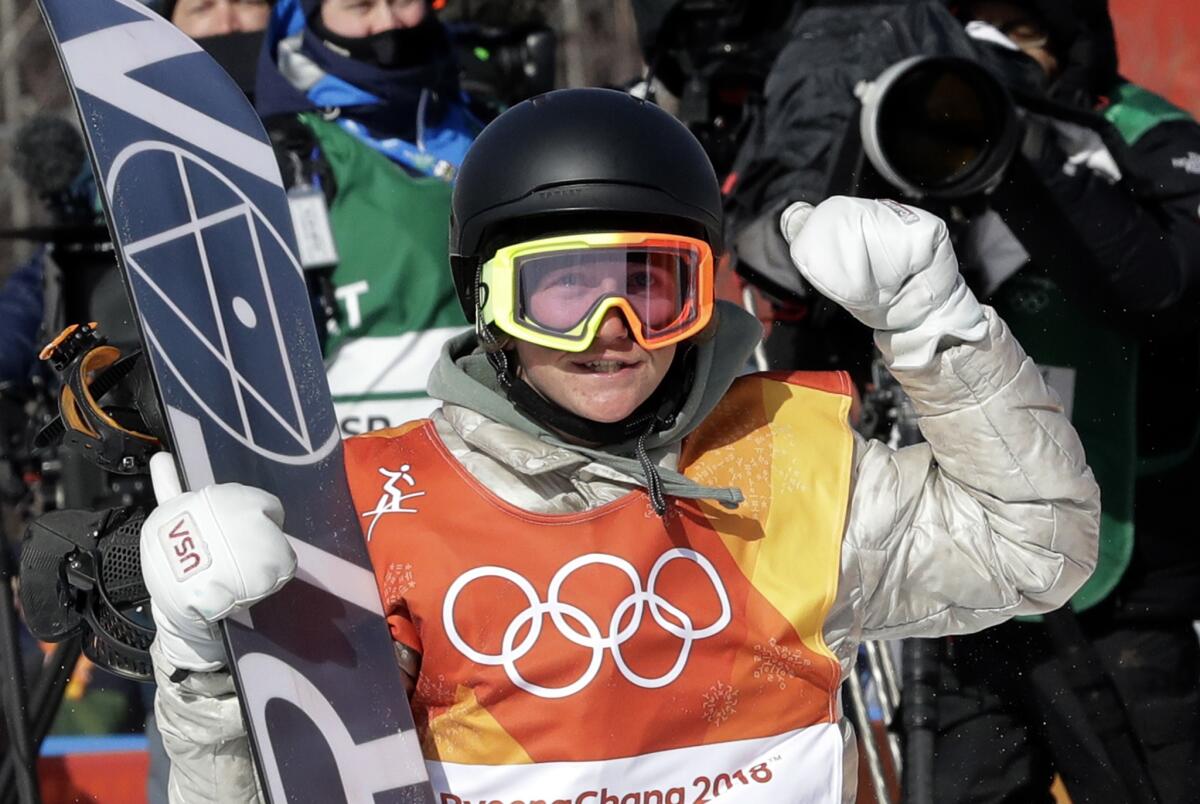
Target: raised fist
[892,267]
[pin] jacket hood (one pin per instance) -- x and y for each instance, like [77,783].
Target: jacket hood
[463,376]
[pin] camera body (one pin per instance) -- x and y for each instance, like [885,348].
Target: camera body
[501,66]
[714,55]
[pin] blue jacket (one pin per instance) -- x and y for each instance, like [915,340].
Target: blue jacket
[417,116]
[20,320]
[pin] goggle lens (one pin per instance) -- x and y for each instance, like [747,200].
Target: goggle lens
[559,291]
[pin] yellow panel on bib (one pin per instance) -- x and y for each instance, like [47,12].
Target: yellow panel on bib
[788,447]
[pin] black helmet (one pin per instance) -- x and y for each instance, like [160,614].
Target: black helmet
[578,160]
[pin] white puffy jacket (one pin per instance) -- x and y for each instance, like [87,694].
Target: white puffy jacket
[995,515]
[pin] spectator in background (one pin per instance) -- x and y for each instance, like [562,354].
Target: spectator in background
[363,104]
[1115,329]
[230,30]
[202,18]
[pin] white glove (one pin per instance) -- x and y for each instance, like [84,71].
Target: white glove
[205,555]
[892,267]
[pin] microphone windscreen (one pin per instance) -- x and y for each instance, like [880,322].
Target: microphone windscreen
[48,153]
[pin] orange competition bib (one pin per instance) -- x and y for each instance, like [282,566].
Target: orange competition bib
[611,656]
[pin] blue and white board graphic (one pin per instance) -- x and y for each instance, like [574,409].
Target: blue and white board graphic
[196,205]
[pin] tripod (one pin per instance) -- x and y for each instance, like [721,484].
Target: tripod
[28,710]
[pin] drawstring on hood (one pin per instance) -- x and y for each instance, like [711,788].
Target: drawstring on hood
[654,483]
[464,375]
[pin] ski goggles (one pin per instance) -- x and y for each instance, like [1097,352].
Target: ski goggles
[555,292]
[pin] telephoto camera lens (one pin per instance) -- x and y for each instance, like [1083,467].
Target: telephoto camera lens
[940,127]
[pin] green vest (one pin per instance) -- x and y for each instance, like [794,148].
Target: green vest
[393,285]
[1093,367]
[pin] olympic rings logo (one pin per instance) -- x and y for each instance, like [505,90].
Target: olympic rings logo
[578,627]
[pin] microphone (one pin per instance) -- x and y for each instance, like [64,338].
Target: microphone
[50,157]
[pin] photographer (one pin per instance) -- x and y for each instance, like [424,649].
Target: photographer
[1116,332]
[71,276]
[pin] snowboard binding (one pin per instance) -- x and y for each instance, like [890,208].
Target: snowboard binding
[117,437]
[81,574]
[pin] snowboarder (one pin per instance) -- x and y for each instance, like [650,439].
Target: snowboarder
[614,569]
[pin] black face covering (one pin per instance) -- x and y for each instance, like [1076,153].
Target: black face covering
[237,53]
[398,48]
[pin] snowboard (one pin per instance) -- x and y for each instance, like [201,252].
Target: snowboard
[201,224]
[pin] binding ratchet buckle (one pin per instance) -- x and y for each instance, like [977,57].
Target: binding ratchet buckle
[113,434]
